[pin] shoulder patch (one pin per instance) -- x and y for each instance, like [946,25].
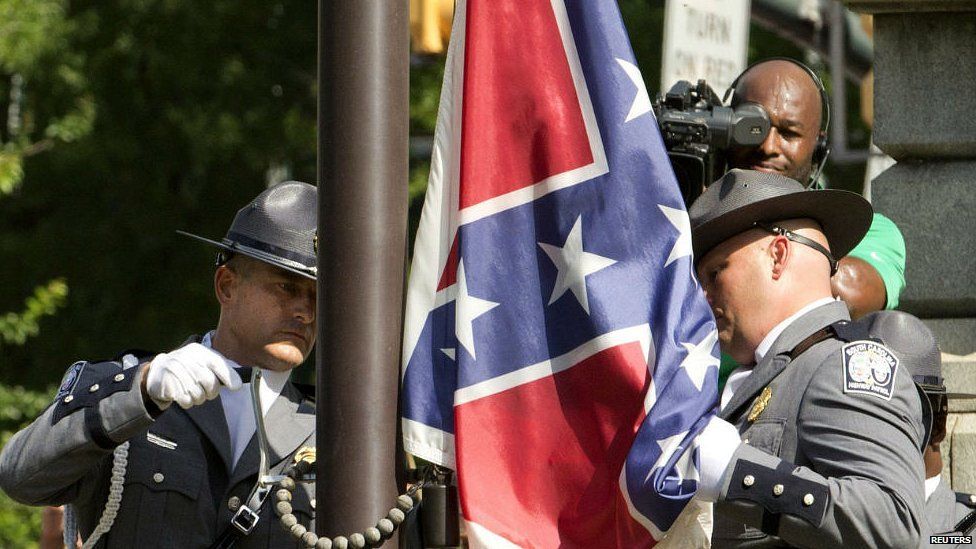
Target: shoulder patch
[869,369]
[70,379]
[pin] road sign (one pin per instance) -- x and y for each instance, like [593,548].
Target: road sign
[704,39]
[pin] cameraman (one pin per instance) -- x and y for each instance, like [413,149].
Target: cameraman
[872,275]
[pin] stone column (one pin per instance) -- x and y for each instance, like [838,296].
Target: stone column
[925,118]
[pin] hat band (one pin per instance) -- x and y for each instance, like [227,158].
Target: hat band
[305,261]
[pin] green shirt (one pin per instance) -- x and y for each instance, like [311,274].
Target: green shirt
[883,247]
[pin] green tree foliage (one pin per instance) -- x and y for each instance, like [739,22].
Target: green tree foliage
[33,40]
[120,122]
[16,328]
[35,52]
[33,37]
[176,113]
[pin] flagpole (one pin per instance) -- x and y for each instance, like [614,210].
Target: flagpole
[362,171]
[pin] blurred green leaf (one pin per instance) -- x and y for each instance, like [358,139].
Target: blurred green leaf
[29,30]
[11,172]
[16,328]
[76,124]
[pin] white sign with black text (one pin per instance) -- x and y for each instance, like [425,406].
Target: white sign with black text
[704,39]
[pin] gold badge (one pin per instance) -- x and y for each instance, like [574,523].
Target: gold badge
[760,404]
[306,453]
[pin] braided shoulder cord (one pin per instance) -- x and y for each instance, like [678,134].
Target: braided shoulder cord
[120,460]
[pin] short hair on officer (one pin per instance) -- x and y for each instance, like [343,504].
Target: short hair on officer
[746,205]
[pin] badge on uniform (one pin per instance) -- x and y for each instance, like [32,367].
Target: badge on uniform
[869,368]
[759,405]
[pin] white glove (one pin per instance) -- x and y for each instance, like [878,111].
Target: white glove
[716,444]
[190,376]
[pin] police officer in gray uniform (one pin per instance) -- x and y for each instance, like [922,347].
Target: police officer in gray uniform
[831,427]
[159,450]
[919,353]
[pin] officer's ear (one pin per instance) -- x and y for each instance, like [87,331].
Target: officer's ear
[226,280]
[779,251]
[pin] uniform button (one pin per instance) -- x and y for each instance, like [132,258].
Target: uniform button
[119,377]
[808,500]
[68,398]
[313,503]
[158,477]
[93,388]
[972,498]
[748,480]
[234,503]
[778,490]
[746,441]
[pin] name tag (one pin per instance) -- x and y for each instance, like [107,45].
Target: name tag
[160,441]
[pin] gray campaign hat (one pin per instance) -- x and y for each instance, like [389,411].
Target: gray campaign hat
[278,227]
[742,198]
[914,345]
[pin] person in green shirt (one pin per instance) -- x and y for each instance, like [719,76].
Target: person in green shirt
[872,276]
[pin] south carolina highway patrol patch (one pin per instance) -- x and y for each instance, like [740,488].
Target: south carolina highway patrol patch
[869,368]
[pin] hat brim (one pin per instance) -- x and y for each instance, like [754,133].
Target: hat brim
[844,218]
[265,257]
[941,390]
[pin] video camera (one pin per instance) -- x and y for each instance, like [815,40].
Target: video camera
[698,133]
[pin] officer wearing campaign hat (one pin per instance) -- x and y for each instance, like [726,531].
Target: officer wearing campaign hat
[139,471]
[822,445]
[918,352]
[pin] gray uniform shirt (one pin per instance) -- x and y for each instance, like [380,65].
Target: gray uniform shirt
[180,490]
[824,465]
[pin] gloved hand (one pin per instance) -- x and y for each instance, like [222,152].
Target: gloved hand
[717,442]
[189,376]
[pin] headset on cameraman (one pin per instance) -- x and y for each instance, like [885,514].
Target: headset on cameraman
[822,148]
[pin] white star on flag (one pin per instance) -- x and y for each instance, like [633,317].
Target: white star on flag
[685,466]
[700,358]
[642,102]
[467,309]
[574,265]
[682,246]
